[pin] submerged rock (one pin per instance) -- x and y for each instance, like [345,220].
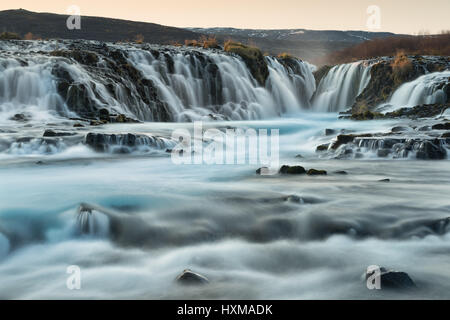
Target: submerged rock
[188,277]
[341,172]
[315,172]
[51,133]
[20,117]
[292,170]
[431,150]
[390,279]
[384,180]
[322,147]
[441,126]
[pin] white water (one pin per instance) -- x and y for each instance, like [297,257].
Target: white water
[195,90]
[338,90]
[224,222]
[427,89]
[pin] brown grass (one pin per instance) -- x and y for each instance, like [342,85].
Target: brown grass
[139,39]
[9,36]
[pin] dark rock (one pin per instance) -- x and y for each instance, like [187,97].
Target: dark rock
[315,172]
[188,277]
[384,180]
[78,125]
[329,132]
[400,129]
[424,128]
[446,135]
[432,150]
[441,126]
[342,139]
[51,133]
[322,147]
[20,117]
[383,153]
[390,279]
[341,172]
[299,156]
[292,170]
[258,171]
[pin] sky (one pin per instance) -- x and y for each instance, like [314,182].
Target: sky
[399,16]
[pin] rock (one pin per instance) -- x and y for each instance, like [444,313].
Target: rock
[342,139]
[78,125]
[258,171]
[400,129]
[383,153]
[441,126]
[390,279]
[51,133]
[322,147]
[432,150]
[294,198]
[292,170]
[103,114]
[315,172]
[329,132]
[341,172]
[19,117]
[424,128]
[446,135]
[384,180]
[299,156]
[188,277]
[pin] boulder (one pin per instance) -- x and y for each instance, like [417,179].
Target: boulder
[441,126]
[188,277]
[292,170]
[315,172]
[51,133]
[322,147]
[329,132]
[390,279]
[431,150]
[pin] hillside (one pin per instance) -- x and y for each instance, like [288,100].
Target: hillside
[49,25]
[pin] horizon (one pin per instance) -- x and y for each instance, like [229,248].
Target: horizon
[424,18]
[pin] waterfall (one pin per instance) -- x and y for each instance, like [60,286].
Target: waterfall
[149,83]
[427,89]
[338,90]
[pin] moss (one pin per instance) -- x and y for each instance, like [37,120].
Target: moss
[253,58]
[9,36]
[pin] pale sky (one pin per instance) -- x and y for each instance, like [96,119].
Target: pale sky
[399,16]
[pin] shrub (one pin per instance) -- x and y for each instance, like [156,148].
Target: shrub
[285,55]
[210,43]
[242,49]
[9,36]
[139,39]
[401,66]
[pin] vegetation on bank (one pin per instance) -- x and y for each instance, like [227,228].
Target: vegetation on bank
[438,45]
[9,36]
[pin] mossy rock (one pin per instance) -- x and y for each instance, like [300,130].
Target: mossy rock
[253,58]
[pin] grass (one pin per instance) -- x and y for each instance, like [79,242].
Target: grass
[242,49]
[9,36]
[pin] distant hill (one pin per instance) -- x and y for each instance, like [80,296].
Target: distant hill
[296,34]
[309,45]
[49,25]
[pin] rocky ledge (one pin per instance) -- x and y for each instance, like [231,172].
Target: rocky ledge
[428,142]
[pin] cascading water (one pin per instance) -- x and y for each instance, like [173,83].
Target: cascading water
[427,89]
[340,87]
[150,83]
